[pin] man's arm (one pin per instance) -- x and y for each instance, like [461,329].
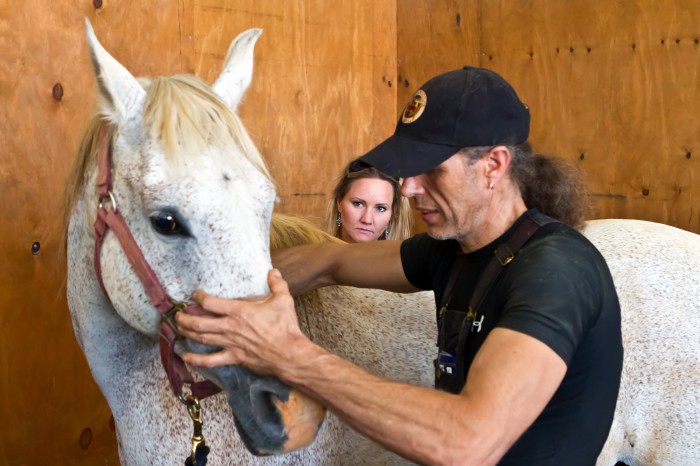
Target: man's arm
[510,381]
[374,264]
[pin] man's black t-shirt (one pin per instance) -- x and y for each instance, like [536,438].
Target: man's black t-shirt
[558,289]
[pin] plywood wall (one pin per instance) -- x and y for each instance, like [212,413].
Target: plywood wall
[613,87]
[320,96]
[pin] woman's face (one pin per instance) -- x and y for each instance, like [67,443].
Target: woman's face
[365,210]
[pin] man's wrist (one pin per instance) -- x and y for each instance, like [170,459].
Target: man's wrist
[304,360]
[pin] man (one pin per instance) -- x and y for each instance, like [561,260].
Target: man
[530,350]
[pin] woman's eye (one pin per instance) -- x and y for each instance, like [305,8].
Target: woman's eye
[381,208]
[357,203]
[166,224]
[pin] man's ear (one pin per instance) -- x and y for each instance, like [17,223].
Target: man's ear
[497,162]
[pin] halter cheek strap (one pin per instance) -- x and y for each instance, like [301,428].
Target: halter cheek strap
[109,217]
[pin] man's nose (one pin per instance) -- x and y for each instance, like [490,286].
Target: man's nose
[411,186]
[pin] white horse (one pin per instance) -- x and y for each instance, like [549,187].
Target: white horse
[202,223]
[196,196]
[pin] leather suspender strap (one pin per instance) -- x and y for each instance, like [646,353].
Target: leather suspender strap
[455,271]
[503,255]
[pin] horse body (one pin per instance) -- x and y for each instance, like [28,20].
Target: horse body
[656,270]
[224,250]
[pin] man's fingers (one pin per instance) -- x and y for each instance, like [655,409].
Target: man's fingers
[211,339]
[213,303]
[220,358]
[277,284]
[195,325]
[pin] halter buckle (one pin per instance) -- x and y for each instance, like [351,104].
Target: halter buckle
[169,316]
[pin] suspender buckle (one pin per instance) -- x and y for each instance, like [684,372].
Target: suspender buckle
[504,254]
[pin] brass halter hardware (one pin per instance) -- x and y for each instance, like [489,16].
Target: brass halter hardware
[195,412]
[169,316]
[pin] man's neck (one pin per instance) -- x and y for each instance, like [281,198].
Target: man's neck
[496,222]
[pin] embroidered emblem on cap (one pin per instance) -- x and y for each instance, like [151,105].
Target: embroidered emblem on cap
[415,108]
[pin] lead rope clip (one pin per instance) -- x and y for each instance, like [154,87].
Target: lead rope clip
[198,457]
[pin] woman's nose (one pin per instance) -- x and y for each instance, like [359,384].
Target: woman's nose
[367,217]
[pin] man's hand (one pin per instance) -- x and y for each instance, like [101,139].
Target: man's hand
[261,335]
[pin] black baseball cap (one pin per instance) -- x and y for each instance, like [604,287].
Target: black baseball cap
[468,107]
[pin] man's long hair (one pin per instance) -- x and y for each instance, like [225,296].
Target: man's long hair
[553,186]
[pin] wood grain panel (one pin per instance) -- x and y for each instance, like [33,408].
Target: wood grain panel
[433,38]
[52,411]
[318,97]
[613,86]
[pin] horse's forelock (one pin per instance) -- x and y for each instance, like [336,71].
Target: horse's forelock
[186,116]
[180,110]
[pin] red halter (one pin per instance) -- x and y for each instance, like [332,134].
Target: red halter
[167,307]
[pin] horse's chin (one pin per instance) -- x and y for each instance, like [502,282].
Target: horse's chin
[272,418]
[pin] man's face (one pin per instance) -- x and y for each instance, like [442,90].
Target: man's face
[449,198]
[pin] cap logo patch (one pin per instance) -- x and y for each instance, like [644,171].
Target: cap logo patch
[415,108]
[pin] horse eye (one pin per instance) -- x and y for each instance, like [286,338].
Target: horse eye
[166,223]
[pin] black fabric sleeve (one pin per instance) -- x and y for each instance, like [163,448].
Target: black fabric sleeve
[553,293]
[424,260]
[414,261]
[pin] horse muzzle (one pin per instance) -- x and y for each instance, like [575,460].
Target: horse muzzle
[273,418]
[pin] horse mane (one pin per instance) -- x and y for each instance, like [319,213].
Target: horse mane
[286,232]
[184,114]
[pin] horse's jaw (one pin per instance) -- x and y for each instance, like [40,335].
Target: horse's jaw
[272,418]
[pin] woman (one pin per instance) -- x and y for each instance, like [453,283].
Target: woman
[367,205]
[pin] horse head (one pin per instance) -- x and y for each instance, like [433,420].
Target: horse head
[197,198]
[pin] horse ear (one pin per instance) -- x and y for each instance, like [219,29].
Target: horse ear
[121,95]
[237,73]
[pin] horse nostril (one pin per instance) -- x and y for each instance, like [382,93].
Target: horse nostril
[263,404]
[271,417]
[264,396]
[257,417]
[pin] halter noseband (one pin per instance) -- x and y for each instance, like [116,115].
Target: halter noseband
[109,217]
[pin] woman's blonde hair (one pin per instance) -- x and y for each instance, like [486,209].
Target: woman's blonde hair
[399,227]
